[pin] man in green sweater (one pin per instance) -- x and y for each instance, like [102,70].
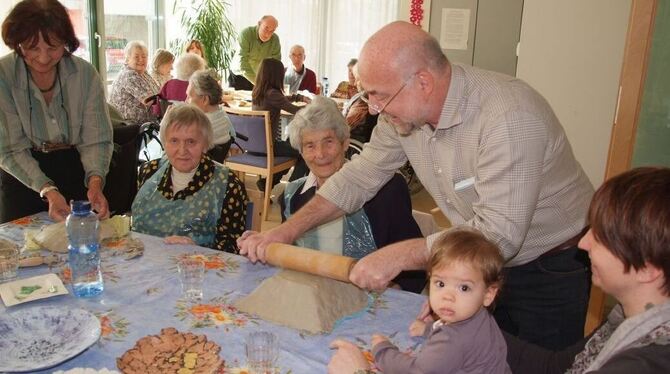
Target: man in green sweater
[257,43]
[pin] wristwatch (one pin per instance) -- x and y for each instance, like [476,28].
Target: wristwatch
[46,189]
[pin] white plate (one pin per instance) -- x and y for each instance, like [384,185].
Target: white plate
[41,337]
[49,285]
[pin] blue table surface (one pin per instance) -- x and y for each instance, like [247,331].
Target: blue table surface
[142,296]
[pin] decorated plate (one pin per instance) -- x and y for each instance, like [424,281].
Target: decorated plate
[41,337]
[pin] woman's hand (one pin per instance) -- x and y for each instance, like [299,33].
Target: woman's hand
[176,239]
[348,358]
[96,197]
[58,207]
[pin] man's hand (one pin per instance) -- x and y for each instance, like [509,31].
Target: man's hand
[348,358]
[373,272]
[376,270]
[96,197]
[58,207]
[253,244]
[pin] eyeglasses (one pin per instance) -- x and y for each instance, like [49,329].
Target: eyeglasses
[376,109]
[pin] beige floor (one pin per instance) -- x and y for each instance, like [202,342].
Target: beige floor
[421,201]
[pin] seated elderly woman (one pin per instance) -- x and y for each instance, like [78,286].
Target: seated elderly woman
[161,66]
[322,137]
[185,66]
[347,89]
[629,248]
[188,198]
[134,86]
[205,92]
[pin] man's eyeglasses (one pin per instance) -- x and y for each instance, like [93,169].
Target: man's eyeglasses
[376,109]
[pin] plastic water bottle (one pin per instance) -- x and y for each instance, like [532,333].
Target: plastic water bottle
[82,232]
[325,86]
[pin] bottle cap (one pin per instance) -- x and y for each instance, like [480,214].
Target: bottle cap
[80,206]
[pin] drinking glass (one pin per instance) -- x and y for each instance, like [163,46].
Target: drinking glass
[192,275]
[9,260]
[262,349]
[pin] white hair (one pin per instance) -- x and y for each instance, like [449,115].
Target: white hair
[187,64]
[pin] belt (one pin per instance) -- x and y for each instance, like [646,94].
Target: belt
[566,244]
[51,147]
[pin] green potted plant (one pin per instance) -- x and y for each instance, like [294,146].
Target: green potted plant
[207,21]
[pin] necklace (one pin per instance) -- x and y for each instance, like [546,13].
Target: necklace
[52,84]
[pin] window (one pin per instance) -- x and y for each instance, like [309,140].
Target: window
[332,31]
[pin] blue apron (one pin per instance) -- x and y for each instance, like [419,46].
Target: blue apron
[196,216]
[357,238]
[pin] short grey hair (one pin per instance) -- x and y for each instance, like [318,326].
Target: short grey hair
[187,64]
[205,84]
[320,114]
[184,115]
[134,44]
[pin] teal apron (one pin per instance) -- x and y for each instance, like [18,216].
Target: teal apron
[196,216]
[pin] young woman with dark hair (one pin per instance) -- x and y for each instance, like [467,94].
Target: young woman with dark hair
[268,94]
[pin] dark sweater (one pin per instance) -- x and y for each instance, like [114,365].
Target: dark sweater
[527,358]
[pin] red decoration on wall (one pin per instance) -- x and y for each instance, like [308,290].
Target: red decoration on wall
[416,12]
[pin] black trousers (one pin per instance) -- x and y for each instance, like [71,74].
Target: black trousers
[544,302]
[63,167]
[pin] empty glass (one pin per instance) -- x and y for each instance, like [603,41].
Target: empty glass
[9,260]
[192,275]
[262,349]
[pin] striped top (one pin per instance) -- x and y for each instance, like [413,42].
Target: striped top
[498,161]
[77,115]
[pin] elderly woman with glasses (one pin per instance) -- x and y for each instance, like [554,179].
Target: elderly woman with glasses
[186,197]
[133,87]
[321,135]
[55,131]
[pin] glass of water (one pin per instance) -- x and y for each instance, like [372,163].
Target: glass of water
[9,260]
[262,349]
[192,276]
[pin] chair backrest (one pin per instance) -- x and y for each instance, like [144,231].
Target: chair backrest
[121,181]
[255,125]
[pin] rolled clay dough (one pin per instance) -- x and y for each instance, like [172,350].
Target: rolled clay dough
[303,301]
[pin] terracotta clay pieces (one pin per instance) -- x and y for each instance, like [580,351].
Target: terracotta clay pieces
[172,352]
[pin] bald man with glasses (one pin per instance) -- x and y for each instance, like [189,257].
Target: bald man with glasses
[493,156]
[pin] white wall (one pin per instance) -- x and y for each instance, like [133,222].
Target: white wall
[571,51]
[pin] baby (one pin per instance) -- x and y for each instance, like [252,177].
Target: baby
[465,276]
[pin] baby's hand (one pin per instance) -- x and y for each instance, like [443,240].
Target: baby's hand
[417,328]
[376,339]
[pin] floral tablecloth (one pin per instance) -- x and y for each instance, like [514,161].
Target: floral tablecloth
[142,296]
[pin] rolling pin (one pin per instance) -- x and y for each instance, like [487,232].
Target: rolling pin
[309,261]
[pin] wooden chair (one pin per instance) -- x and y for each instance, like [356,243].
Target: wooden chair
[258,157]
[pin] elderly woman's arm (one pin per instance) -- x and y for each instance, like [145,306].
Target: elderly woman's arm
[231,223]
